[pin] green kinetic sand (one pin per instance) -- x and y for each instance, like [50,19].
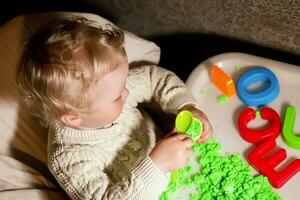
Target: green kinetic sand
[258,115]
[202,93]
[237,68]
[222,99]
[220,178]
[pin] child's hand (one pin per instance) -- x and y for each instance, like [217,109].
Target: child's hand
[172,152]
[207,128]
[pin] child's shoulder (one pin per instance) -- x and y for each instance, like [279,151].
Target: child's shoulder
[137,69]
[143,69]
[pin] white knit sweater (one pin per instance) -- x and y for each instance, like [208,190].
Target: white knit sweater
[113,163]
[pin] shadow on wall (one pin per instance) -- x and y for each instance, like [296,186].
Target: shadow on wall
[181,53]
[13,8]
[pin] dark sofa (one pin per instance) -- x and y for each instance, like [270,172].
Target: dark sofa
[188,32]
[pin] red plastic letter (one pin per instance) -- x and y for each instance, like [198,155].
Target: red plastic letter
[266,166]
[255,136]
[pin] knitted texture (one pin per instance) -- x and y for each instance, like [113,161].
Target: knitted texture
[112,162]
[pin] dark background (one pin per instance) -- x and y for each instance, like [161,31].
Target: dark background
[185,38]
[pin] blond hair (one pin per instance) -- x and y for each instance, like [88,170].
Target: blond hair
[63,55]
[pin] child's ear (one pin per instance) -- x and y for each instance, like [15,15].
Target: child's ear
[70,119]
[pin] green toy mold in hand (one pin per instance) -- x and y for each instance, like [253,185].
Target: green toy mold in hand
[186,123]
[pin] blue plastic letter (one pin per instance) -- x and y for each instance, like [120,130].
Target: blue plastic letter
[260,98]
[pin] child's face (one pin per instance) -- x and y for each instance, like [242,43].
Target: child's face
[109,95]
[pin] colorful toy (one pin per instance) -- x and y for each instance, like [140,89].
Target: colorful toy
[222,81]
[266,138]
[259,98]
[255,136]
[288,134]
[186,123]
[266,166]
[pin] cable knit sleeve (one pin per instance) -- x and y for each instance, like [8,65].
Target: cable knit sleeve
[86,179]
[162,86]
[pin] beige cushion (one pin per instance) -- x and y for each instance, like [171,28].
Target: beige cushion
[23,142]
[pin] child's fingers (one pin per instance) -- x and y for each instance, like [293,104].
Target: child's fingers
[174,130]
[172,133]
[202,140]
[189,152]
[181,136]
[204,137]
[188,142]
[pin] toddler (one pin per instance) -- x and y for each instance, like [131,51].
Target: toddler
[74,76]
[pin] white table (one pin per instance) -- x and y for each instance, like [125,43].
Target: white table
[224,116]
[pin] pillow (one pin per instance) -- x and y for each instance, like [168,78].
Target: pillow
[22,139]
[137,49]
